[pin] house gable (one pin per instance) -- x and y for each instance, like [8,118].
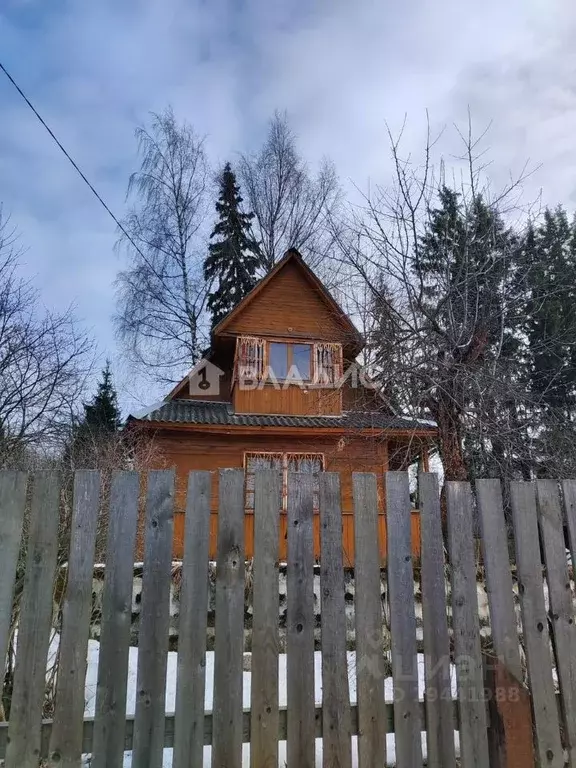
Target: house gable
[291,302]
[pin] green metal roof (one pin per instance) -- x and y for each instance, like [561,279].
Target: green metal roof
[205,412]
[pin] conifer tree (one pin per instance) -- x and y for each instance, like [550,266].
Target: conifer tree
[102,415]
[233,255]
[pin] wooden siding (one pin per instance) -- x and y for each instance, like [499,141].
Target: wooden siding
[290,306]
[292,400]
[195,450]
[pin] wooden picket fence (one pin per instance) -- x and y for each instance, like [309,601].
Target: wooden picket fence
[501,720]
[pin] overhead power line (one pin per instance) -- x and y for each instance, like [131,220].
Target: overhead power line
[70,159]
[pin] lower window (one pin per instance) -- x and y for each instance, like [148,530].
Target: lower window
[311,463]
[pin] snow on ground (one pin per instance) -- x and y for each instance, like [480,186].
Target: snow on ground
[91,679]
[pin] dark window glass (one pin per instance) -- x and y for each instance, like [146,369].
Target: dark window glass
[278,361]
[301,359]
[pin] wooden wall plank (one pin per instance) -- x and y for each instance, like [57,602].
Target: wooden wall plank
[402,620]
[12,504]
[110,712]
[266,604]
[191,668]
[336,743]
[439,718]
[154,622]
[494,542]
[300,622]
[466,627]
[535,623]
[35,625]
[369,624]
[561,606]
[229,628]
[66,738]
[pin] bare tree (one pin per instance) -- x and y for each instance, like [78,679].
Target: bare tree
[162,294]
[44,360]
[291,207]
[444,331]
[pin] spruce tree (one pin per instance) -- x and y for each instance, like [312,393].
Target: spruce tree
[102,415]
[233,256]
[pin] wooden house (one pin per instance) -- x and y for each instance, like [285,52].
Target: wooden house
[280,387]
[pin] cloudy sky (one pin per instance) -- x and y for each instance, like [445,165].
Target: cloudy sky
[341,69]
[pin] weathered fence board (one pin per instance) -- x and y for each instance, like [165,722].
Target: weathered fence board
[494,540]
[191,668]
[560,596]
[369,637]
[229,627]
[402,621]
[35,624]
[12,503]
[438,690]
[66,739]
[466,627]
[569,493]
[169,728]
[154,622]
[300,622]
[535,623]
[336,745]
[265,607]
[116,617]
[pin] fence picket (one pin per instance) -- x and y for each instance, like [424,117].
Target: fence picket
[154,622]
[438,698]
[264,713]
[402,620]
[569,493]
[535,624]
[560,597]
[191,668]
[300,622]
[12,503]
[24,730]
[369,624]
[109,721]
[494,541]
[229,628]
[67,728]
[466,627]
[336,743]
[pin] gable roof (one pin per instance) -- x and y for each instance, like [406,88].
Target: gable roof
[293,256]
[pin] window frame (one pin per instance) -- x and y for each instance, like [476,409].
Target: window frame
[285,457]
[290,344]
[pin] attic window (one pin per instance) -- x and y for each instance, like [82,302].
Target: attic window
[290,361]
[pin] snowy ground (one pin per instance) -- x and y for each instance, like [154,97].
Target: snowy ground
[91,678]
